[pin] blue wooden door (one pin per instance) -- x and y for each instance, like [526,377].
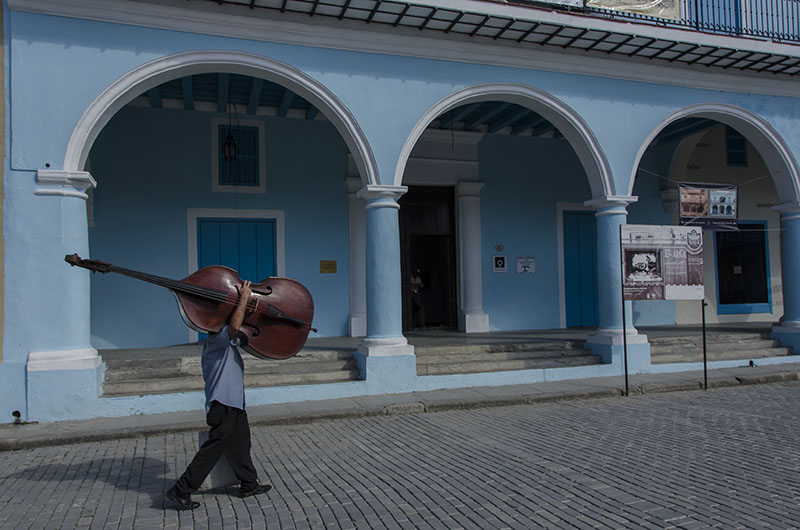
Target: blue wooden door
[580,268]
[245,245]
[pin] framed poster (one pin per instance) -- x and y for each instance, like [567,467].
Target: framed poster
[662,262]
[711,206]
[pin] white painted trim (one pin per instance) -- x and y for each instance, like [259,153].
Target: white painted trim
[262,157]
[776,154]
[152,74]
[80,359]
[64,183]
[192,214]
[562,207]
[565,119]
[325,32]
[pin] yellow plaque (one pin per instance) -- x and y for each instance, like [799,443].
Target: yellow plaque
[327,266]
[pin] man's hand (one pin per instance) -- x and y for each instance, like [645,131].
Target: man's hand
[238,314]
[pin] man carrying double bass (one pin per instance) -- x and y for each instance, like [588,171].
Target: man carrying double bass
[223,372]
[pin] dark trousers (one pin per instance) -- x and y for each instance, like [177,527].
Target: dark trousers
[229,435]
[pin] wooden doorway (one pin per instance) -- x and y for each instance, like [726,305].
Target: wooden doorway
[428,245]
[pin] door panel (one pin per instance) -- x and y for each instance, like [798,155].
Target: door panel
[580,268]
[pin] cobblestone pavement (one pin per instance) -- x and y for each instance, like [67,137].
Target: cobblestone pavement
[726,458]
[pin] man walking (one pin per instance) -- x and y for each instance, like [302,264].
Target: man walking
[223,372]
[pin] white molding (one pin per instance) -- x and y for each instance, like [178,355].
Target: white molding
[613,202]
[565,119]
[192,214]
[64,183]
[376,192]
[262,157]
[80,359]
[776,154]
[327,32]
[153,73]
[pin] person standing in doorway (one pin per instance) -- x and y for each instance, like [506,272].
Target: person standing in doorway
[417,309]
[223,372]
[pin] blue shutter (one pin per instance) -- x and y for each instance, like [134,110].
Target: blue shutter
[735,148]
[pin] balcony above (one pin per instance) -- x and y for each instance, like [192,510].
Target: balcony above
[755,38]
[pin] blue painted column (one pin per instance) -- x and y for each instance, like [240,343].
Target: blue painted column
[63,369]
[788,330]
[608,340]
[385,358]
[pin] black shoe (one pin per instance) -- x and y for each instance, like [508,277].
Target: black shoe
[255,490]
[182,502]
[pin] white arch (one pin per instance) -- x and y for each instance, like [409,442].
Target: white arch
[152,74]
[564,118]
[776,154]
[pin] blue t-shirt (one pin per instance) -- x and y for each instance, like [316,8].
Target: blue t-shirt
[223,371]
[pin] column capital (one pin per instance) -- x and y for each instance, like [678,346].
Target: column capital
[64,183]
[788,210]
[354,184]
[469,188]
[378,196]
[616,202]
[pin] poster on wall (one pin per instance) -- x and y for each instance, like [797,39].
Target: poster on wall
[662,262]
[711,206]
[650,8]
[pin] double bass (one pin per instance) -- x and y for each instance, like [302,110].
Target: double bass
[279,311]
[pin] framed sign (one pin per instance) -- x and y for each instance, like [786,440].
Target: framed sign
[499,264]
[711,206]
[662,262]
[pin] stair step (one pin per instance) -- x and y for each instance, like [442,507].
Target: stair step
[499,356]
[188,383]
[459,349]
[715,337]
[658,348]
[696,355]
[498,366]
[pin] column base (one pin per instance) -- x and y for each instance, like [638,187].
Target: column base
[357,325]
[473,322]
[387,365]
[63,384]
[610,345]
[789,334]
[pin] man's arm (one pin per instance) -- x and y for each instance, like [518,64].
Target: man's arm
[238,314]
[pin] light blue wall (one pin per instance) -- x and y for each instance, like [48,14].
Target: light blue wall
[151,165]
[525,177]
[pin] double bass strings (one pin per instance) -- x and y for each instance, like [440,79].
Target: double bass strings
[203,292]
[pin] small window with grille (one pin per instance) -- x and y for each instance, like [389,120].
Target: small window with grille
[735,148]
[238,157]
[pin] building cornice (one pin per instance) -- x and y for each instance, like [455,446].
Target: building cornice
[328,32]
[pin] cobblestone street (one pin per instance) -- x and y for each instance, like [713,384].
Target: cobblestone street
[726,458]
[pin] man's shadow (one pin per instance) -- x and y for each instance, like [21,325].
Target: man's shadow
[143,474]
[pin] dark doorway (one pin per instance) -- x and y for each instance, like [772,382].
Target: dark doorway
[427,245]
[743,270]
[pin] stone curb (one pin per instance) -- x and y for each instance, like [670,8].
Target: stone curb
[413,407]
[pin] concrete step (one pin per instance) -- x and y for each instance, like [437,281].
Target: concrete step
[188,383]
[713,345]
[726,337]
[696,355]
[179,369]
[461,349]
[487,356]
[505,365]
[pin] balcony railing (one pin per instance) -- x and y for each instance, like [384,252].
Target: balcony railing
[777,20]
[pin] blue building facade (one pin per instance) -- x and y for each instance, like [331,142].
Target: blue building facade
[546,128]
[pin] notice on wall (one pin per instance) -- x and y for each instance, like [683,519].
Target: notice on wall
[499,264]
[711,206]
[327,266]
[662,262]
[526,265]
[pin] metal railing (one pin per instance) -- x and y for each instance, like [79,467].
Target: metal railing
[778,20]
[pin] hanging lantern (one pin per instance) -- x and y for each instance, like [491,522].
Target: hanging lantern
[229,148]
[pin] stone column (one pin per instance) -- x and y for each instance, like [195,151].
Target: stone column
[788,329]
[66,346]
[385,358]
[471,317]
[358,234]
[607,340]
